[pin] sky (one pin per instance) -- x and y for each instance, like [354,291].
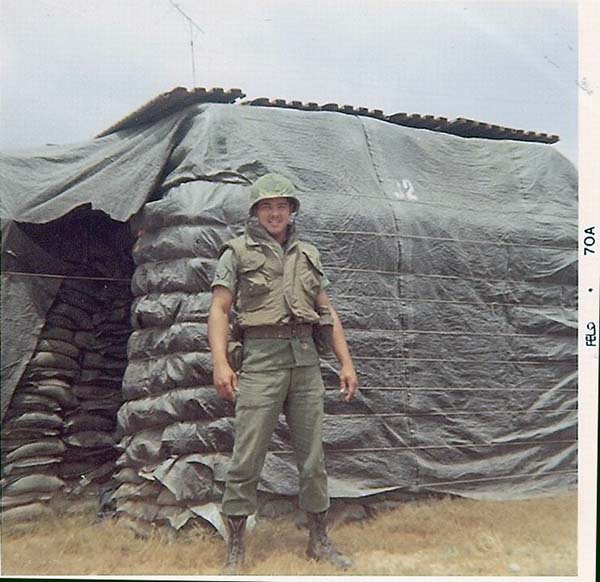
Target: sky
[72,68]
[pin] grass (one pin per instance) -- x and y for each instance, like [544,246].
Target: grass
[449,536]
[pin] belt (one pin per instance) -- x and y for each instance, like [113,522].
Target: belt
[279,331]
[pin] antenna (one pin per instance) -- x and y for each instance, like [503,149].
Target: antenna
[192,25]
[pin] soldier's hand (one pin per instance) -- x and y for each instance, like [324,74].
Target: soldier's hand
[225,381]
[348,383]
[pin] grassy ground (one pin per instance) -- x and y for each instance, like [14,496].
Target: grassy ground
[427,538]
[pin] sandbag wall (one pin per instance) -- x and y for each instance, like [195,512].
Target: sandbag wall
[173,422]
[58,434]
[89,429]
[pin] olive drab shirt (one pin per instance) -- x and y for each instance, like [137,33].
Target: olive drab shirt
[272,284]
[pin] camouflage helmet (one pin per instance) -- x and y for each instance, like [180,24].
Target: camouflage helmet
[273,186]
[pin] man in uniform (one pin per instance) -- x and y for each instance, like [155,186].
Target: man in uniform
[277,285]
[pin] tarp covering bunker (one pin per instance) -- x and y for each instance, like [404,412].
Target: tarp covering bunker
[453,268]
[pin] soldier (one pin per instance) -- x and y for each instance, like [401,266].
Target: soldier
[279,290]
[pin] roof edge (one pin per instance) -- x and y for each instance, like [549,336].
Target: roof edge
[172,101]
[180,97]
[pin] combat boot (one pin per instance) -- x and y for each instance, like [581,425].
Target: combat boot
[319,544]
[236,527]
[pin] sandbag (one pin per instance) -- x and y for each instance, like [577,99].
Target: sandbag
[33,420]
[176,405]
[187,479]
[86,469]
[56,320]
[85,339]
[95,391]
[128,475]
[80,318]
[33,483]
[51,388]
[100,472]
[58,333]
[161,374]
[30,464]
[38,374]
[27,402]
[202,437]
[49,446]
[29,512]
[189,274]
[58,346]
[145,490]
[81,421]
[178,337]
[142,449]
[94,360]
[7,501]
[89,439]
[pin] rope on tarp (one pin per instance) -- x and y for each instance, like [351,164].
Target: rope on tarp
[332,451]
[66,277]
[450,333]
[499,478]
[473,209]
[413,414]
[460,361]
[329,451]
[457,388]
[392,359]
[431,276]
[376,234]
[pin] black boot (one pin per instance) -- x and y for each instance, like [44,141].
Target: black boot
[320,546]
[236,526]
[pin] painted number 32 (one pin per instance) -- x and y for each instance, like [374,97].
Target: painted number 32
[405,190]
[589,241]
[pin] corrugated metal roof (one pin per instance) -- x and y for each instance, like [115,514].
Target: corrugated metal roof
[180,97]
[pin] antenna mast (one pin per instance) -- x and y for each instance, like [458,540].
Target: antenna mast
[192,25]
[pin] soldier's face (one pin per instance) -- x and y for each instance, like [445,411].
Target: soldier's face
[274,215]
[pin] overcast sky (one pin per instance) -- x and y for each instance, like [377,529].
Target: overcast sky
[71,68]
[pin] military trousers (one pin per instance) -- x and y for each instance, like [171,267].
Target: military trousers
[299,393]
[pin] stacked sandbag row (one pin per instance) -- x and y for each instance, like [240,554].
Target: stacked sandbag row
[89,430]
[175,426]
[32,433]
[56,438]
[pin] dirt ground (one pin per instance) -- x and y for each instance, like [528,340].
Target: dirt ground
[443,537]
